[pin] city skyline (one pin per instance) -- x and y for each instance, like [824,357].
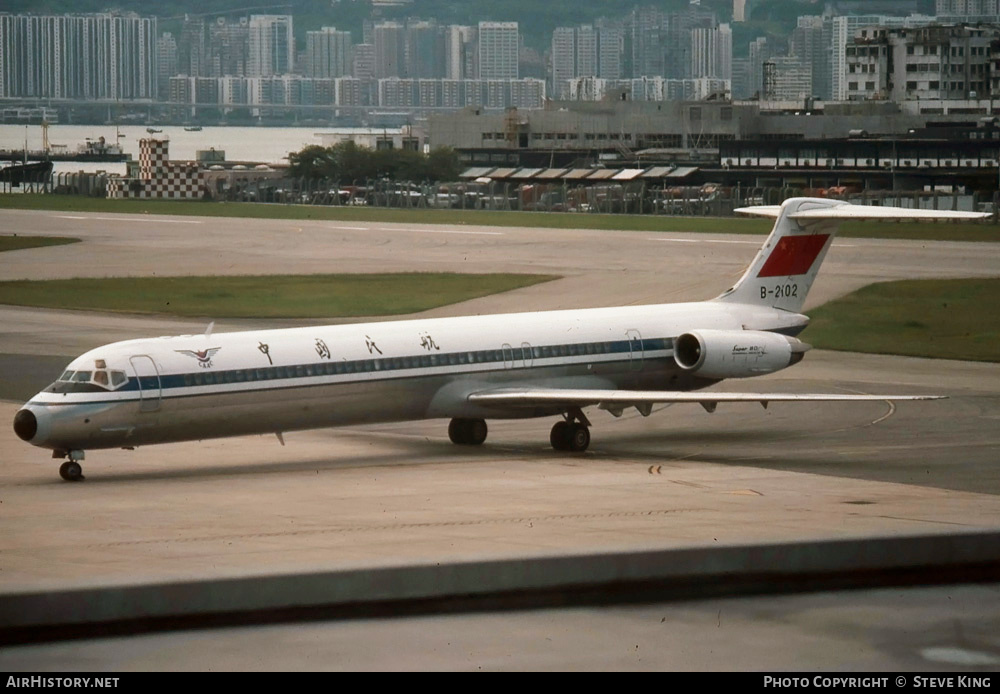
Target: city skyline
[648,53]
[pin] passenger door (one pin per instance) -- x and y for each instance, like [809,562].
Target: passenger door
[148,378]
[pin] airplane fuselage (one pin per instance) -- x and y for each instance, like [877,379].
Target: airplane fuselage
[227,384]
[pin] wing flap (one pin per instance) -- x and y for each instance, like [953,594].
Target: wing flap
[617,399]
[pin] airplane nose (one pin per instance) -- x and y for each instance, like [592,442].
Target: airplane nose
[25,424]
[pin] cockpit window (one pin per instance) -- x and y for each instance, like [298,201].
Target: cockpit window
[88,381]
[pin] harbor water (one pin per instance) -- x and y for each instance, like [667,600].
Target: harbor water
[260,144]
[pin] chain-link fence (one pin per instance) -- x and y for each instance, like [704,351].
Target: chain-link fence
[708,200]
[627,197]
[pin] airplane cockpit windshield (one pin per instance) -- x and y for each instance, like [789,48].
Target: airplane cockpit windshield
[101,378]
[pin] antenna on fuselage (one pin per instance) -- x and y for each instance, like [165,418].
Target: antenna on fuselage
[208,330]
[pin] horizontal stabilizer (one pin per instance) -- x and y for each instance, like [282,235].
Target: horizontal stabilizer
[572,397]
[847,211]
[760,211]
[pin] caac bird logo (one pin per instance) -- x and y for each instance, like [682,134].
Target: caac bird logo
[204,356]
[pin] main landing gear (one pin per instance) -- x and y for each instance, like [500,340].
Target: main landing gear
[467,432]
[71,470]
[572,434]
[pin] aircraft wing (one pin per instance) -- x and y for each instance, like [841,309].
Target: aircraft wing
[616,400]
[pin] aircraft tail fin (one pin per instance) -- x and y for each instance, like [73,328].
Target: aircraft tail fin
[786,266]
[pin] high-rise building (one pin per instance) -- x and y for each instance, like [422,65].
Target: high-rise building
[390,50]
[712,52]
[842,32]
[271,45]
[498,50]
[967,7]
[759,52]
[609,49]
[424,50]
[741,11]
[192,48]
[363,65]
[932,62]
[459,52]
[328,53]
[166,64]
[563,57]
[95,56]
[586,50]
[647,28]
[228,47]
[810,42]
[787,78]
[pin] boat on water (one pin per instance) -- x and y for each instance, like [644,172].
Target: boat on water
[153,131]
[99,149]
[194,129]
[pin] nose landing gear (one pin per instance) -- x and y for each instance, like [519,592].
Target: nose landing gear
[71,470]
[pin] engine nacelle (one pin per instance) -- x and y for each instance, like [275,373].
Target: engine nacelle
[736,353]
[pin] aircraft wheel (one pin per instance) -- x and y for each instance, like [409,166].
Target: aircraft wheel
[559,437]
[467,432]
[578,439]
[71,471]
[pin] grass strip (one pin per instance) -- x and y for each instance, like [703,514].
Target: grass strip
[269,296]
[16,243]
[924,231]
[945,319]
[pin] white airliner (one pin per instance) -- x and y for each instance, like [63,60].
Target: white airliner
[468,369]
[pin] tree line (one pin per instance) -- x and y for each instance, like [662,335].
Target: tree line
[346,161]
